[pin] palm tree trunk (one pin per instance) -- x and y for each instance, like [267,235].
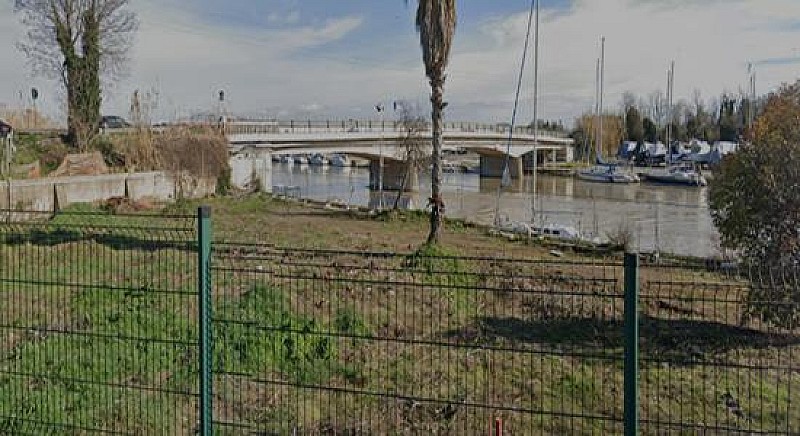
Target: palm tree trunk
[436,200]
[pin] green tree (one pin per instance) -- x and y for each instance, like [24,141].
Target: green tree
[77,41]
[755,203]
[634,129]
[728,121]
[650,130]
[436,25]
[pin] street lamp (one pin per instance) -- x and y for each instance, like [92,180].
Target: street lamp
[34,97]
[380,108]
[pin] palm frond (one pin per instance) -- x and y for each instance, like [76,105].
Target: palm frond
[436,24]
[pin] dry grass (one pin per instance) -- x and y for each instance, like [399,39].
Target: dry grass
[26,119]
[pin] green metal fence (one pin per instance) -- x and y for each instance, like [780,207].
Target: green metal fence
[131,324]
[98,324]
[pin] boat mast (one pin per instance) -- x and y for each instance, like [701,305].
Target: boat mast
[535,114]
[602,85]
[752,91]
[506,171]
[596,112]
[670,85]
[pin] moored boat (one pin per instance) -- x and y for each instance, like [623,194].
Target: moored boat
[607,174]
[339,160]
[677,175]
[317,159]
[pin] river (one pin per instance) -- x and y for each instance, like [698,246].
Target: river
[669,219]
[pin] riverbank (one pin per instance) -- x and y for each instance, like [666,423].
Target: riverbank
[313,224]
[310,224]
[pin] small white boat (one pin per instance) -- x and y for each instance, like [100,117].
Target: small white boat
[555,231]
[450,167]
[558,231]
[339,160]
[317,159]
[471,167]
[300,160]
[607,174]
[287,160]
[678,175]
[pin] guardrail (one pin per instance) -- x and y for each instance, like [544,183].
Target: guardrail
[331,126]
[366,126]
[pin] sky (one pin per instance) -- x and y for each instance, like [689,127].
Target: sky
[337,59]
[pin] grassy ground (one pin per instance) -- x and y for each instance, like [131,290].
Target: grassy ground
[99,331]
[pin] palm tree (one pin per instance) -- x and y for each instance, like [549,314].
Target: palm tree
[436,25]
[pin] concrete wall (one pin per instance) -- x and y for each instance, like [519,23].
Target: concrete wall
[50,193]
[249,167]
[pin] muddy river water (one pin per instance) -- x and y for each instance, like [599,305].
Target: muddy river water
[672,219]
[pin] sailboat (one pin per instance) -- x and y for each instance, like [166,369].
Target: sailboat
[684,173]
[555,231]
[604,172]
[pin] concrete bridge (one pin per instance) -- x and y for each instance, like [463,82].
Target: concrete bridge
[379,141]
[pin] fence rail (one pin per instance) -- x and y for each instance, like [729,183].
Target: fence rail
[131,324]
[366,126]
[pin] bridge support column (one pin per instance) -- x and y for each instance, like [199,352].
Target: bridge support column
[251,170]
[393,172]
[492,166]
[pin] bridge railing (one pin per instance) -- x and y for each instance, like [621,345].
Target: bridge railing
[367,126]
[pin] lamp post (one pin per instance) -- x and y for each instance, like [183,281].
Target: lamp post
[380,108]
[221,120]
[34,97]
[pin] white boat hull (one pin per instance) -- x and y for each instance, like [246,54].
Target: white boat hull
[678,176]
[339,161]
[607,175]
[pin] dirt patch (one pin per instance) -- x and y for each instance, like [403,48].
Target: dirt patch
[82,164]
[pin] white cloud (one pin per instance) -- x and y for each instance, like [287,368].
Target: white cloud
[288,72]
[711,43]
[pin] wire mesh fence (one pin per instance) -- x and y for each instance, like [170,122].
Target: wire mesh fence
[101,331]
[350,343]
[717,356]
[97,325]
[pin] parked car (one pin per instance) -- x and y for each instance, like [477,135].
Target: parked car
[113,122]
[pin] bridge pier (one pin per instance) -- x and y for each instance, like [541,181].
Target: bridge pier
[493,165]
[393,173]
[250,169]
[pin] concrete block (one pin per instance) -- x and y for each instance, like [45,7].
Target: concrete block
[4,195]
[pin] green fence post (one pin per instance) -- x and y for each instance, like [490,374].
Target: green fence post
[204,297]
[631,344]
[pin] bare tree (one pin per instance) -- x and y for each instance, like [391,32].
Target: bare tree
[436,25]
[412,148]
[76,41]
[657,107]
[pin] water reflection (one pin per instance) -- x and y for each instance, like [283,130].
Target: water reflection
[669,218]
